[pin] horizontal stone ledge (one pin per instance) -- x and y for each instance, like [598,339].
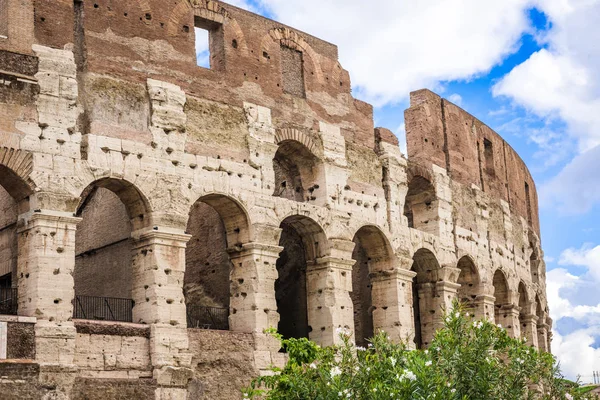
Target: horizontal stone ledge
[18,318]
[111,328]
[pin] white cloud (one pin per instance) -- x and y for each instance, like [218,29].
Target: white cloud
[576,297]
[392,47]
[456,99]
[576,189]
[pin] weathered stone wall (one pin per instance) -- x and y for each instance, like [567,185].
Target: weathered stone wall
[259,186]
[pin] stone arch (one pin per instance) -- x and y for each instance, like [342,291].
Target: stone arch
[15,189]
[372,253]
[207,9]
[298,172]
[296,135]
[16,167]
[502,297]
[421,200]
[469,281]
[219,226]
[111,210]
[289,38]
[303,241]
[426,265]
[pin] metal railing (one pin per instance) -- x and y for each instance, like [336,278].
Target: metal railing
[103,308]
[207,317]
[8,301]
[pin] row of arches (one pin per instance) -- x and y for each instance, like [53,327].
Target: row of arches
[112,210]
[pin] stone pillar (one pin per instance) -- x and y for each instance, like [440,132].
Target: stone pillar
[253,305]
[46,260]
[158,270]
[328,287]
[445,293]
[427,308]
[391,293]
[508,317]
[529,330]
[542,337]
[483,307]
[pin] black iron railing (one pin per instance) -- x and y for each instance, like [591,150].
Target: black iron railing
[8,301]
[103,308]
[207,317]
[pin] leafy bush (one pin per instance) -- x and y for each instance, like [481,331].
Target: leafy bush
[467,359]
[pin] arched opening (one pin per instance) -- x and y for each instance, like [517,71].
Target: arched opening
[426,266]
[468,279]
[524,308]
[296,172]
[218,226]
[110,210]
[14,200]
[372,253]
[501,294]
[303,241]
[420,205]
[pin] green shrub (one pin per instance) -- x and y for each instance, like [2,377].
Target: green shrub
[467,359]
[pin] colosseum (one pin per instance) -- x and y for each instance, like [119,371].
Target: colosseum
[158,216]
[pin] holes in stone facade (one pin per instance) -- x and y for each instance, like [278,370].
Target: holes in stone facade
[209,44]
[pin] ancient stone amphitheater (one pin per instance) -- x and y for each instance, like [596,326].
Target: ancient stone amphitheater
[157,216]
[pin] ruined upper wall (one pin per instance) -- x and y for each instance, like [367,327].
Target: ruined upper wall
[441,133]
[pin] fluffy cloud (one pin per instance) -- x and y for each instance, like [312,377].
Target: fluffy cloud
[575,300]
[392,47]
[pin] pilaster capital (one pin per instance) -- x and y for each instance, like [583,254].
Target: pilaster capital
[447,286]
[160,235]
[47,218]
[530,318]
[331,262]
[448,274]
[253,248]
[400,274]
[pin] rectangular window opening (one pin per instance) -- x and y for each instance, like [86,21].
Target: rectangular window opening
[4,19]
[209,41]
[488,151]
[528,202]
[292,70]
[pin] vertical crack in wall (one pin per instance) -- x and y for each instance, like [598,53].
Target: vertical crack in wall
[480,166]
[445,129]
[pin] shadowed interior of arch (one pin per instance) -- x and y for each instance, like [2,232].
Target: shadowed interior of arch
[295,172]
[14,200]
[110,210]
[468,279]
[419,207]
[372,253]
[218,226]
[303,242]
[425,264]
[524,307]
[501,294]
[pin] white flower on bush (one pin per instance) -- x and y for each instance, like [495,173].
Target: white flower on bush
[335,371]
[313,366]
[568,396]
[393,361]
[360,348]
[409,375]
[427,363]
[452,390]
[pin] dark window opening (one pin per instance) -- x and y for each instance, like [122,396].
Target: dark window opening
[528,202]
[488,151]
[210,44]
[417,316]
[3,18]
[361,296]
[292,70]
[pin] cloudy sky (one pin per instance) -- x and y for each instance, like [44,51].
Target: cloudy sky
[530,69]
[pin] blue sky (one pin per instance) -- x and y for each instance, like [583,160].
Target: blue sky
[530,69]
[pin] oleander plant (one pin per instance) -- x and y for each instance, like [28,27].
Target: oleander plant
[468,359]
